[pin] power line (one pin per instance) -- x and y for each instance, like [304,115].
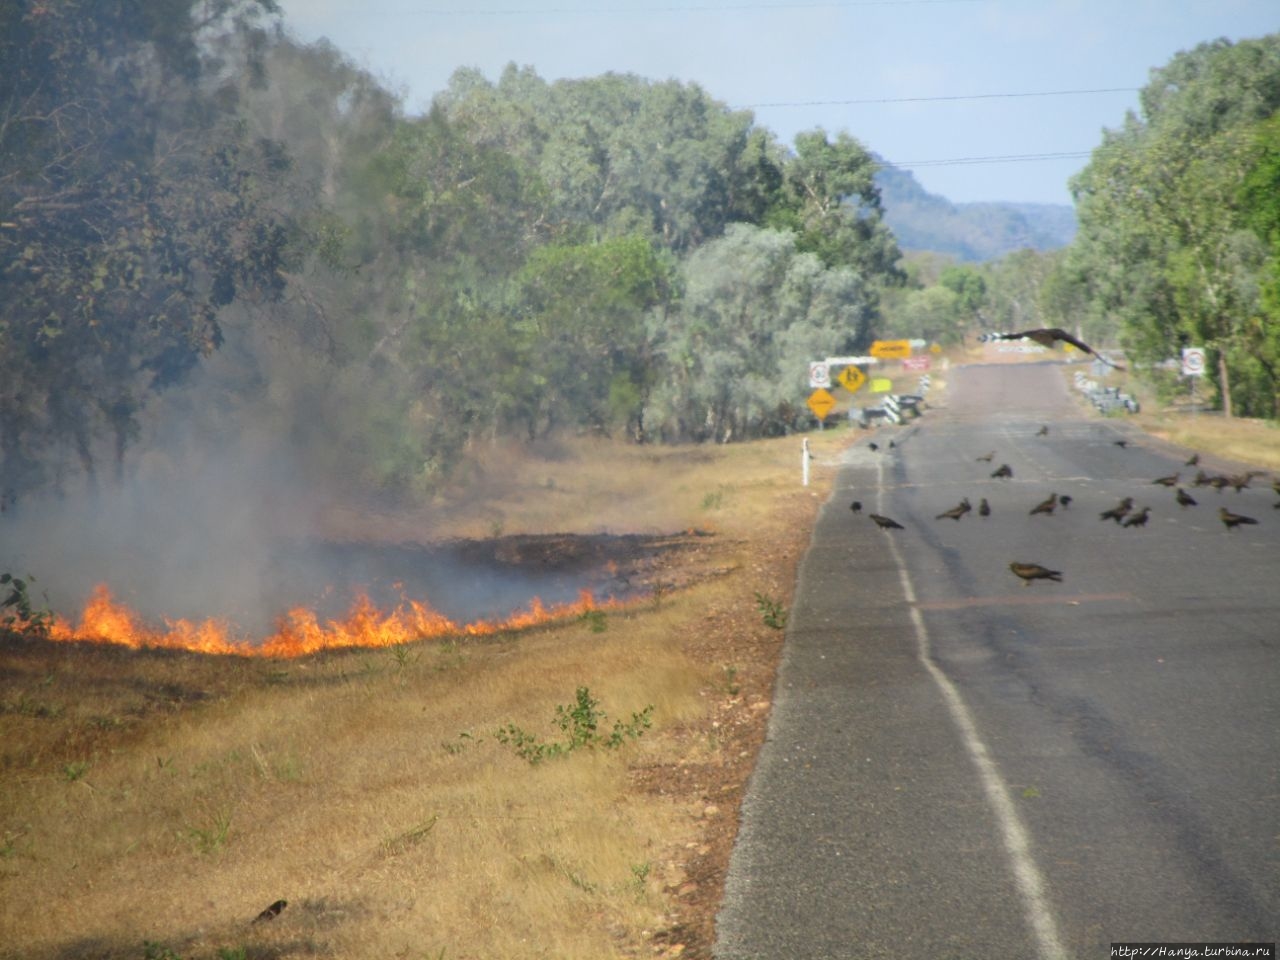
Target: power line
[968,96]
[1006,158]
[684,8]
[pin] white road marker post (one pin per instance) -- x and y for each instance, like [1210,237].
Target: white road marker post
[804,462]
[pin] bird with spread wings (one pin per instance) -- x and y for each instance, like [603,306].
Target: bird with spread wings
[1048,336]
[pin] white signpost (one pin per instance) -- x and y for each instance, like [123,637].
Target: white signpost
[1193,360]
[819,374]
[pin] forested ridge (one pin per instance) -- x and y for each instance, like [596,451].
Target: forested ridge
[204,221]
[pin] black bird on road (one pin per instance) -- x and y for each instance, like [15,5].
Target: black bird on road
[1138,519]
[873,446]
[1033,571]
[1043,431]
[1045,506]
[1048,336]
[1192,460]
[856,506]
[984,508]
[1065,500]
[1184,499]
[1004,471]
[1233,520]
[1121,443]
[1169,481]
[272,911]
[956,512]
[886,523]
[1117,512]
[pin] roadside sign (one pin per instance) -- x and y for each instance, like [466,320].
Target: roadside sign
[891,349]
[819,374]
[821,403]
[881,385]
[916,363]
[1193,360]
[852,379]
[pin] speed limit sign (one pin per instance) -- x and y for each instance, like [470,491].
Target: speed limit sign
[819,375]
[1193,362]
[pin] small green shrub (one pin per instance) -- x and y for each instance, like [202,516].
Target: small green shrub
[581,722]
[772,612]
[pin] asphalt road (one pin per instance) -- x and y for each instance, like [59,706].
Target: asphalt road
[959,766]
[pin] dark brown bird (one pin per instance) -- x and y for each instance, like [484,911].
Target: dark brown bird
[1033,571]
[856,506]
[1117,512]
[986,457]
[1045,506]
[1138,519]
[1003,471]
[1219,482]
[1201,480]
[1048,336]
[1121,443]
[886,523]
[956,512]
[1065,500]
[984,508]
[272,911]
[873,446]
[1169,481]
[1192,460]
[1232,520]
[1043,431]
[1184,499]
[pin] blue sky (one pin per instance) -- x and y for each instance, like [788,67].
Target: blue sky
[794,61]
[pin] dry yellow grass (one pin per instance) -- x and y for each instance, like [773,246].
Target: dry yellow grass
[162,798]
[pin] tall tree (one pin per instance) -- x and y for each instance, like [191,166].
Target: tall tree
[130,212]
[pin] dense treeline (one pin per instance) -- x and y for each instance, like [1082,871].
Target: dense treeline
[200,215]
[1178,245]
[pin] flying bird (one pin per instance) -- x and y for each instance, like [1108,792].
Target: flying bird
[856,506]
[1045,506]
[272,911]
[1048,336]
[1184,499]
[1232,520]
[987,457]
[1138,519]
[1033,571]
[1004,471]
[956,512]
[1117,512]
[984,508]
[886,523]
[1169,481]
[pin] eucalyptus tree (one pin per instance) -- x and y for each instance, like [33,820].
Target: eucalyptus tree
[1163,237]
[735,353]
[131,212]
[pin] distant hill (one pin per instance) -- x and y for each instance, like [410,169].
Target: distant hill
[969,231]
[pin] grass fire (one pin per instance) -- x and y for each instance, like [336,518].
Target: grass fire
[302,631]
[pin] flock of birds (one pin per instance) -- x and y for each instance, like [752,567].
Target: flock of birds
[1123,513]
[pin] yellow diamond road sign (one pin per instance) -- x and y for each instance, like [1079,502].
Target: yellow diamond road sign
[821,403]
[852,379]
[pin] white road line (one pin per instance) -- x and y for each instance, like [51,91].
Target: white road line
[1017,843]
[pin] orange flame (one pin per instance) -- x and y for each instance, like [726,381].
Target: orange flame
[300,632]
